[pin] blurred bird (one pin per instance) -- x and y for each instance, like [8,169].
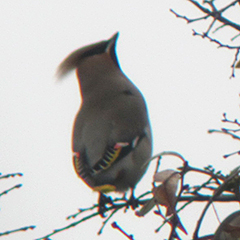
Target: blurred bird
[111,139]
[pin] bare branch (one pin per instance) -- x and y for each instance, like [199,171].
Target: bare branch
[217,17]
[187,19]
[10,189]
[17,230]
[11,175]
[217,14]
[216,193]
[116,226]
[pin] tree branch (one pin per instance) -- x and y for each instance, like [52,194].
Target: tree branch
[217,17]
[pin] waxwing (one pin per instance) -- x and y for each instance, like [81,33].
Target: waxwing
[111,139]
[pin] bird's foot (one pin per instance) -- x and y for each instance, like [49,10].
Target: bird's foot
[102,201]
[132,202]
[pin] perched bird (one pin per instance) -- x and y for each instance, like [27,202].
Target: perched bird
[111,139]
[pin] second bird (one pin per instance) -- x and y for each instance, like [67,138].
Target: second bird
[111,139]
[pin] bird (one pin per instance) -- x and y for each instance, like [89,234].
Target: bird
[111,138]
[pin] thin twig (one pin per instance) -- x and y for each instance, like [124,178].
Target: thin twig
[187,19]
[225,119]
[217,193]
[115,225]
[106,221]
[209,173]
[216,213]
[68,226]
[234,136]
[10,189]
[169,153]
[217,17]
[220,45]
[235,61]
[217,14]
[228,6]
[82,210]
[17,230]
[11,175]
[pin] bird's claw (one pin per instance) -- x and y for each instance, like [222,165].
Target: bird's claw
[102,201]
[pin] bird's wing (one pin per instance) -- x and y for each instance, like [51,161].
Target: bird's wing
[109,134]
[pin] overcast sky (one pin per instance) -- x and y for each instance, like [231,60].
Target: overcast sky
[185,81]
